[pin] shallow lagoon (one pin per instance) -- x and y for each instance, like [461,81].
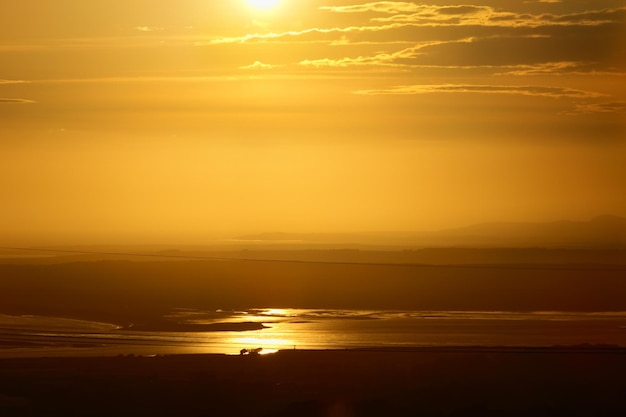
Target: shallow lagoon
[310,329]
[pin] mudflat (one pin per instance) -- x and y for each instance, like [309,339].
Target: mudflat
[556,381]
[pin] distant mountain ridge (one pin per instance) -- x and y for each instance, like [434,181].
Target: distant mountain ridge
[603,232]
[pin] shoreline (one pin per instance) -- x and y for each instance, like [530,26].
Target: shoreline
[34,352]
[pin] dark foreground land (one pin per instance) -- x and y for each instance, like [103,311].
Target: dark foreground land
[582,381]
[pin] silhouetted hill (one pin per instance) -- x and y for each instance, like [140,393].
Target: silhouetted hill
[604,232]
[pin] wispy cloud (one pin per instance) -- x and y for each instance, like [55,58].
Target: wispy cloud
[13,82]
[558,68]
[390,37]
[379,7]
[256,37]
[258,65]
[432,16]
[380,59]
[16,100]
[543,68]
[470,15]
[538,91]
[149,28]
[605,107]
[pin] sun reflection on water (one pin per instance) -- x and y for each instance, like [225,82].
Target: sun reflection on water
[287,329]
[268,344]
[280,312]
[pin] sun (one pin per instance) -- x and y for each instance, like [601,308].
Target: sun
[263,4]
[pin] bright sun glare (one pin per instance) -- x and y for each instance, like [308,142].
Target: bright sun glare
[263,4]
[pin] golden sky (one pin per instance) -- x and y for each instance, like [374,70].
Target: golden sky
[157,121]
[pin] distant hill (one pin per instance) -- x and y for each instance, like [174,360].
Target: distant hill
[604,232]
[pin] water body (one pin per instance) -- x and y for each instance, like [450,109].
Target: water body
[310,329]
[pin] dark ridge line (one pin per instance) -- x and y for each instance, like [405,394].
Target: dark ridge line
[295,261]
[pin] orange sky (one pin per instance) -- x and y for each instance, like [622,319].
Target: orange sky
[150,121]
